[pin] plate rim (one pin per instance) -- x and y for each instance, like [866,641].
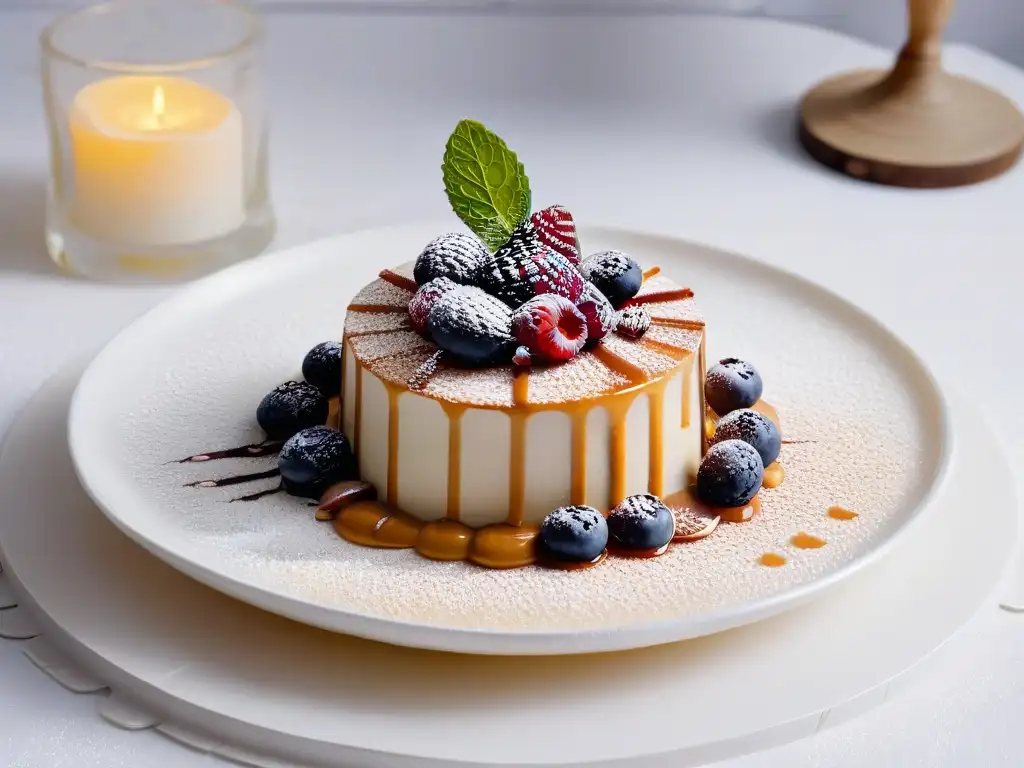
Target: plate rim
[490,641]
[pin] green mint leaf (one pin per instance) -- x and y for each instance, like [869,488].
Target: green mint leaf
[486,184]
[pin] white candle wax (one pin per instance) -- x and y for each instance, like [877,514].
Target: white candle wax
[157,161]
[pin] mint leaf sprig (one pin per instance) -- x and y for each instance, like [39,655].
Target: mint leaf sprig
[486,184]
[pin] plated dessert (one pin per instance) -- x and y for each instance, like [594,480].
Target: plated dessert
[508,399]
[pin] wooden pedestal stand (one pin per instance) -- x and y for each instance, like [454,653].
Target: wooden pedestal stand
[914,126]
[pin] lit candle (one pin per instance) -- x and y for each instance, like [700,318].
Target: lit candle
[157,161]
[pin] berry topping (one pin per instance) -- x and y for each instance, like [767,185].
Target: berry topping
[556,228]
[550,327]
[634,321]
[642,522]
[291,407]
[730,474]
[472,326]
[314,459]
[753,428]
[522,357]
[456,256]
[577,534]
[322,367]
[524,268]
[423,301]
[615,274]
[597,311]
[731,385]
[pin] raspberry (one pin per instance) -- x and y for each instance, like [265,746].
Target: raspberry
[556,229]
[550,327]
[634,321]
[423,301]
[598,312]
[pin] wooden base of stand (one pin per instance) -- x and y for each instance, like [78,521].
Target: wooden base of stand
[911,127]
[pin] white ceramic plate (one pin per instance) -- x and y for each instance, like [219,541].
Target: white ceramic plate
[871,427]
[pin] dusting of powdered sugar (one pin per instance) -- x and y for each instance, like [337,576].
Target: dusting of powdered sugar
[607,266]
[456,255]
[639,507]
[577,519]
[860,422]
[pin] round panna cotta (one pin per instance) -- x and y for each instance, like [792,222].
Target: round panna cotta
[506,444]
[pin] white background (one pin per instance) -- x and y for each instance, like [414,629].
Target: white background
[994,25]
[695,119]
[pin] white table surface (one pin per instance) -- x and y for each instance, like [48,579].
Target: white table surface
[681,125]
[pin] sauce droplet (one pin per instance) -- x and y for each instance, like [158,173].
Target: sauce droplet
[838,513]
[771,560]
[774,474]
[806,541]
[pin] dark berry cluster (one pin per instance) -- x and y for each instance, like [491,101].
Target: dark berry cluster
[532,302]
[314,456]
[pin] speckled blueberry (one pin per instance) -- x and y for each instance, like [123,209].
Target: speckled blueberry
[641,522]
[731,385]
[322,367]
[730,474]
[455,255]
[291,407]
[615,274]
[473,327]
[752,428]
[315,458]
[576,534]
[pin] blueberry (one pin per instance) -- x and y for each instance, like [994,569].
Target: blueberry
[752,428]
[731,385]
[472,327]
[315,458]
[291,407]
[730,474]
[322,367]
[456,256]
[577,534]
[615,274]
[642,522]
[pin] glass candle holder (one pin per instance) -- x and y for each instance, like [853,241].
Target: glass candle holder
[158,139]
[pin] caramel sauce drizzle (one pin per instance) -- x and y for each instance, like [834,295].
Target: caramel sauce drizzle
[578,490]
[655,461]
[658,297]
[393,423]
[839,513]
[397,280]
[357,416]
[379,309]
[517,468]
[676,322]
[772,560]
[620,365]
[454,498]
[649,273]
[806,541]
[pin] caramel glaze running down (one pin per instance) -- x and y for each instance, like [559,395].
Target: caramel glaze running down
[512,544]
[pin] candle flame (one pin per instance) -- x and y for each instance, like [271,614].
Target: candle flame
[158,101]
